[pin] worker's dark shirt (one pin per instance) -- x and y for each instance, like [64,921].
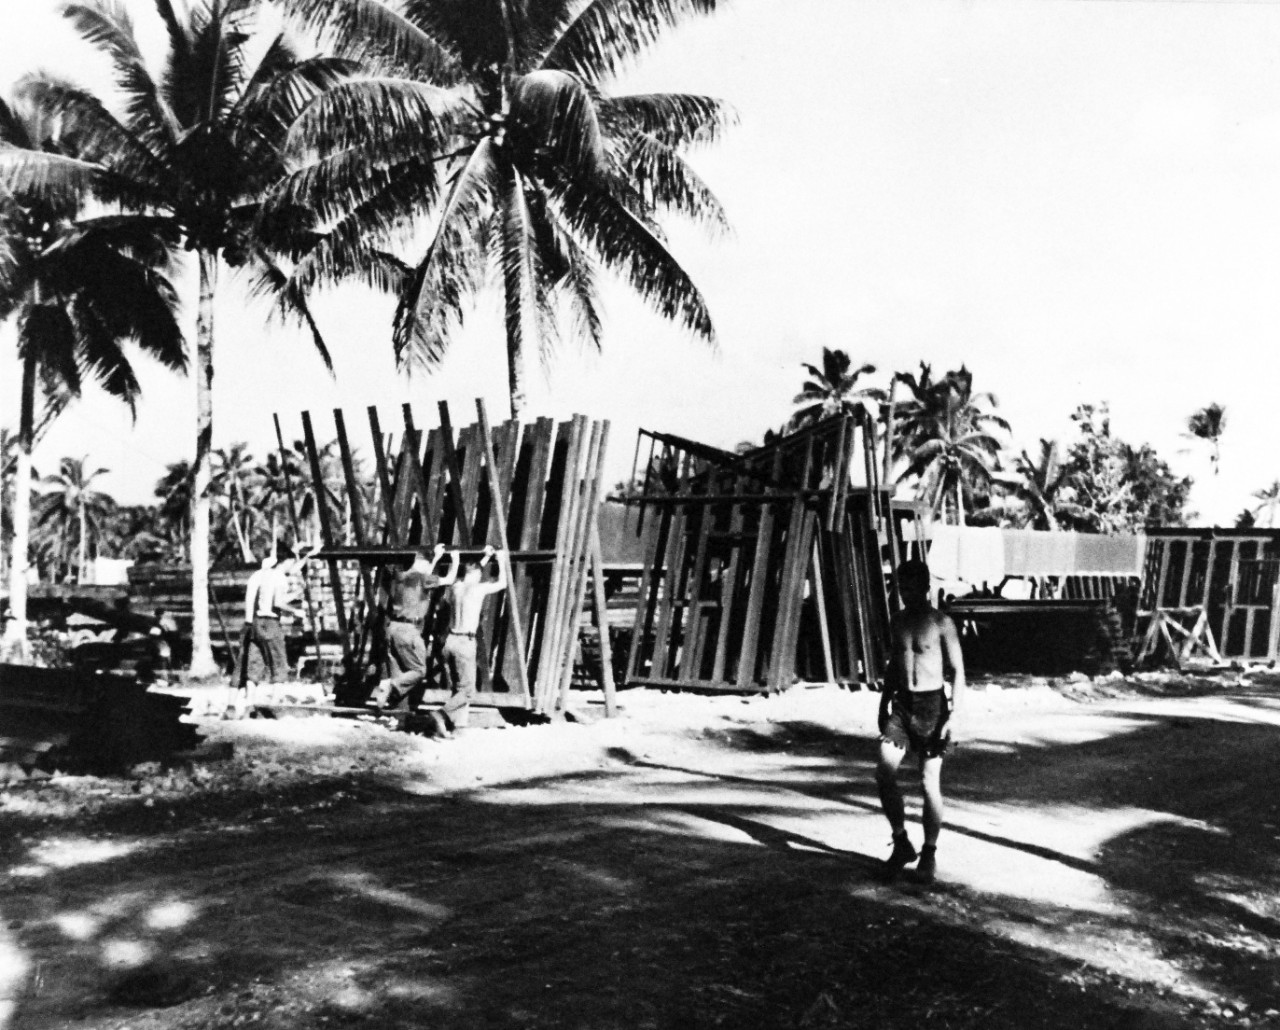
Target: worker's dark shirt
[408,601]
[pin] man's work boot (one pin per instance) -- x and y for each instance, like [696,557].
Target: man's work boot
[927,870]
[903,854]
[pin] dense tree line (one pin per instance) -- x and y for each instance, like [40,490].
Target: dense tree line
[951,447]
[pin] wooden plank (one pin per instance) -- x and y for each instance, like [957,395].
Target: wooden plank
[785,648]
[602,623]
[297,535]
[472,448]
[531,480]
[588,519]
[820,600]
[326,534]
[564,617]
[669,610]
[786,602]
[436,473]
[380,460]
[647,591]
[728,590]
[562,481]
[463,531]
[498,500]
[755,600]
[695,631]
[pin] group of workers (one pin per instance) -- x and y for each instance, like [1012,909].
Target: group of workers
[409,603]
[917,710]
[269,596]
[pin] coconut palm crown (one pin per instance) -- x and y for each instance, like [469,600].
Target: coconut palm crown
[948,436]
[1208,424]
[191,154]
[833,389]
[491,118]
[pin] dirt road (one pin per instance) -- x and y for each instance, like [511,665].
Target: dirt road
[1110,860]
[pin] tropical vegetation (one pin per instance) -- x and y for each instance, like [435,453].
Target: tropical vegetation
[78,288]
[494,118]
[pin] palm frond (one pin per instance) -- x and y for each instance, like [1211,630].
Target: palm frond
[517,261]
[270,281]
[606,35]
[665,180]
[107,25]
[343,248]
[431,305]
[378,36]
[128,169]
[99,355]
[46,331]
[385,118]
[552,116]
[675,119]
[49,178]
[623,244]
[13,129]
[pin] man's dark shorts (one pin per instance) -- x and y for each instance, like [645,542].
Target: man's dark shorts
[916,720]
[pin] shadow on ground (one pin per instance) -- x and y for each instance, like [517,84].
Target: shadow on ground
[464,913]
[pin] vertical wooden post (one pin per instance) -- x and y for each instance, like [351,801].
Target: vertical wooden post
[499,505]
[588,515]
[463,518]
[820,596]
[297,539]
[602,623]
[326,533]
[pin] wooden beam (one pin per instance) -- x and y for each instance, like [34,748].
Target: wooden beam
[326,534]
[499,506]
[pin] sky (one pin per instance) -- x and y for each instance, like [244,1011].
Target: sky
[1077,199]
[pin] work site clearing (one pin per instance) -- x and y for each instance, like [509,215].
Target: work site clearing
[1109,860]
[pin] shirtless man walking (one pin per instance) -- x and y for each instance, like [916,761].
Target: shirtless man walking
[915,714]
[468,596]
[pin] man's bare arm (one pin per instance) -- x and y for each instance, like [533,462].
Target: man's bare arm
[503,559]
[955,656]
[452,575]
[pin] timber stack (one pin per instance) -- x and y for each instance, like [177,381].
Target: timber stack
[532,489]
[73,721]
[765,567]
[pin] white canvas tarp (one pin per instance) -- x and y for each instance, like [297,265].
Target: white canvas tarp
[978,555]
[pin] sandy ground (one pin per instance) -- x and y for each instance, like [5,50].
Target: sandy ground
[1110,860]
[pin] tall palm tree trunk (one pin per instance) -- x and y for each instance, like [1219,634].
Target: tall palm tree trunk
[515,378]
[16,631]
[202,663]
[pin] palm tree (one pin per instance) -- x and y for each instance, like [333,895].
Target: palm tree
[1043,486]
[947,437]
[833,389]
[231,482]
[546,176]
[1208,424]
[78,288]
[1269,503]
[72,509]
[192,156]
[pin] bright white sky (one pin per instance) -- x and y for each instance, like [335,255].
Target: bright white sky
[1080,199]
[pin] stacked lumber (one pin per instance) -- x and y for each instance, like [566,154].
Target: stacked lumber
[73,721]
[748,555]
[532,489]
